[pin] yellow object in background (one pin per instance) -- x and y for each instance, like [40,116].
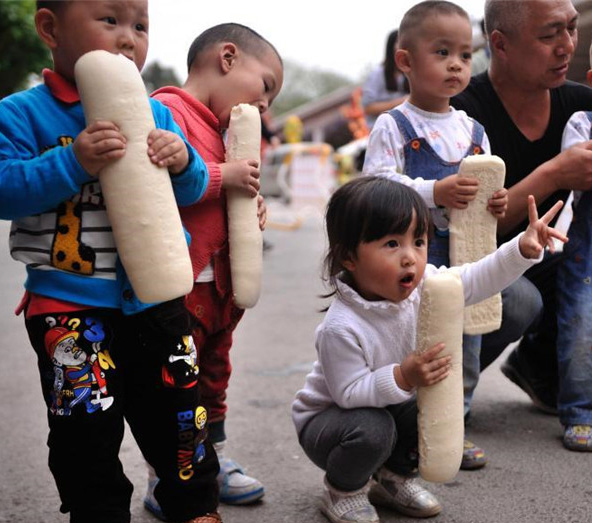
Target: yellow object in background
[293,129]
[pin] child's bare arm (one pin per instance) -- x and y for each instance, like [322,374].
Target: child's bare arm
[498,203]
[422,369]
[241,174]
[538,234]
[98,145]
[455,191]
[167,149]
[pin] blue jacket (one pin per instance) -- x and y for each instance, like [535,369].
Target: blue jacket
[60,228]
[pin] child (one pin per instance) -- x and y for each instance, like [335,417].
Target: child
[422,142]
[228,64]
[103,356]
[573,307]
[356,416]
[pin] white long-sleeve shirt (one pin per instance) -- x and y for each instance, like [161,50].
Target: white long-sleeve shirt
[577,130]
[448,134]
[360,342]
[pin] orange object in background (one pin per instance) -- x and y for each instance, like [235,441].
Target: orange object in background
[354,112]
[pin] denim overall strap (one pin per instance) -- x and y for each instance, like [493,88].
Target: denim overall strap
[404,125]
[476,139]
[421,161]
[574,321]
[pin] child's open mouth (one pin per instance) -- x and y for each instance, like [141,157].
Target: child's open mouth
[406,280]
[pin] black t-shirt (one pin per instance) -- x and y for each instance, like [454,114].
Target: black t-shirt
[522,156]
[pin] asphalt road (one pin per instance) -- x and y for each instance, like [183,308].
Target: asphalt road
[530,476]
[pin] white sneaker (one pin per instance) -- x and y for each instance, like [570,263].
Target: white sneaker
[404,494]
[236,488]
[347,507]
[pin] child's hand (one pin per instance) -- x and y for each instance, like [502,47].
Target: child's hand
[167,149]
[498,203]
[98,145]
[422,369]
[538,234]
[455,191]
[241,174]
[261,212]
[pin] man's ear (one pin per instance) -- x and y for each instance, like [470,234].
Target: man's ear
[403,60]
[497,42]
[227,56]
[589,76]
[46,26]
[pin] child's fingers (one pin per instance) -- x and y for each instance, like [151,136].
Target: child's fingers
[466,190]
[165,153]
[431,354]
[105,146]
[438,363]
[157,142]
[554,233]
[533,214]
[550,214]
[468,182]
[438,375]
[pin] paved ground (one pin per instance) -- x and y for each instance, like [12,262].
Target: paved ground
[530,477]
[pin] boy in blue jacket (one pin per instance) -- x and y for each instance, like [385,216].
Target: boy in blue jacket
[103,356]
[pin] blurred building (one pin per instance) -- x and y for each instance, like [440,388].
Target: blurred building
[323,119]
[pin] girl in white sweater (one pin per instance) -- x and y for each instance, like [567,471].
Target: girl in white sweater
[356,416]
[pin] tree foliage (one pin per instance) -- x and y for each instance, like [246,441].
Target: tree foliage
[156,76]
[302,85]
[21,50]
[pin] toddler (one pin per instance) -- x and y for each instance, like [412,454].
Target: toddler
[574,324]
[356,416]
[228,64]
[422,142]
[103,356]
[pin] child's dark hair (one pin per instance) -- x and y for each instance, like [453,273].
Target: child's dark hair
[367,209]
[391,71]
[414,17]
[242,36]
[52,5]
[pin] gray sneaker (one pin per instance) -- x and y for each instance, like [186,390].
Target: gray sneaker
[404,494]
[347,507]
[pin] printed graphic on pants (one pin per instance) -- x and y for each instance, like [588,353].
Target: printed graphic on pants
[74,347]
[192,433]
[181,370]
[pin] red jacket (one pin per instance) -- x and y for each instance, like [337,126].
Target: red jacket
[206,220]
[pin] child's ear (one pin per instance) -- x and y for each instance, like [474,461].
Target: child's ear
[403,60]
[349,264]
[45,24]
[228,54]
[589,76]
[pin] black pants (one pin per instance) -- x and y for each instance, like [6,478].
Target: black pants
[99,367]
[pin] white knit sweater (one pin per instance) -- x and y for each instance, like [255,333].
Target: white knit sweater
[360,342]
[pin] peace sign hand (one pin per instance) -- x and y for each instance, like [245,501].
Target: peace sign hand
[538,234]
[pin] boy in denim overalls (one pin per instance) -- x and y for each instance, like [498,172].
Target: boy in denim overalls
[574,298]
[422,142]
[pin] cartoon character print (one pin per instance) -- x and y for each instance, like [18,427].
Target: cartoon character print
[181,370]
[79,377]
